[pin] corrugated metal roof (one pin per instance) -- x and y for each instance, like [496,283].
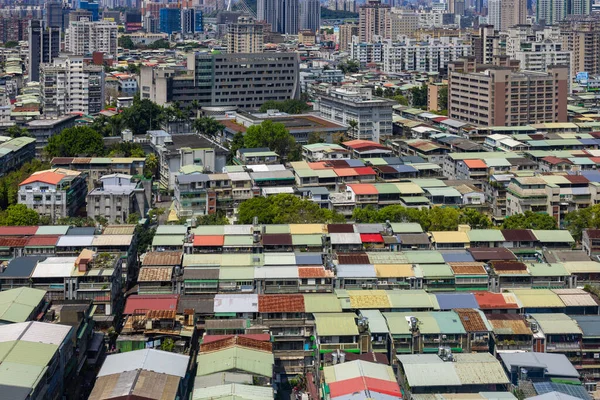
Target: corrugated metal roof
[162,258]
[16,305]
[237,303]
[485,235]
[356,271]
[273,272]
[155,274]
[321,303]
[275,303]
[553,236]
[412,299]
[52,230]
[119,230]
[233,391]
[112,240]
[358,368]
[556,324]
[575,297]
[345,238]
[537,298]
[473,320]
[163,362]
[336,324]
[151,302]
[236,273]
[555,364]
[449,301]
[589,325]
[509,324]
[368,299]
[74,241]
[394,270]
[236,358]
[424,257]
[171,230]
[377,323]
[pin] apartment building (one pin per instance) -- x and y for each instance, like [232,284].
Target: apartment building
[245,36]
[507,13]
[488,95]
[118,196]
[55,193]
[222,80]
[69,86]
[44,45]
[342,105]
[433,55]
[97,167]
[347,30]
[403,23]
[581,36]
[374,20]
[86,37]
[535,49]
[486,44]
[16,152]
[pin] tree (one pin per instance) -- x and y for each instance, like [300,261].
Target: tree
[443,98]
[529,220]
[145,237]
[151,166]
[126,149]
[218,218]
[272,135]
[75,142]
[208,126]
[419,96]
[577,221]
[126,42]
[160,44]
[349,67]
[167,345]
[475,219]
[11,44]
[15,131]
[133,218]
[315,137]
[9,183]
[285,209]
[379,92]
[142,116]
[290,106]
[156,213]
[19,215]
[400,99]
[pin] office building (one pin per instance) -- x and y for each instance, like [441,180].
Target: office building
[91,6]
[581,36]
[310,15]
[503,14]
[486,44]
[347,30]
[170,20]
[54,14]
[86,37]
[487,95]
[133,21]
[191,21]
[55,193]
[69,86]
[282,15]
[374,20]
[456,7]
[211,79]
[550,12]
[404,23]
[44,46]
[118,197]
[245,36]
[14,29]
[372,114]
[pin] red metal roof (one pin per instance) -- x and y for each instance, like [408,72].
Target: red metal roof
[151,302]
[371,238]
[277,239]
[577,179]
[345,172]
[13,241]
[49,177]
[556,160]
[314,272]
[439,119]
[18,230]
[362,383]
[274,303]
[365,171]
[42,240]
[363,188]
[208,240]
[489,301]
[364,145]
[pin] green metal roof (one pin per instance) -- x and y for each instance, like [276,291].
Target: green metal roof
[31,353]
[449,322]
[321,303]
[52,230]
[414,199]
[171,230]
[412,299]
[236,358]
[377,323]
[436,270]
[17,304]
[168,240]
[406,227]
[424,257]
[336,324]
[428,182]
[283,228]
[444,191]
[553,236]
[21,375]
[238,240]
[387,188]
[557,324]
[543,269]
[307,240]
[485,235]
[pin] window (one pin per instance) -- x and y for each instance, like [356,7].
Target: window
[23,198]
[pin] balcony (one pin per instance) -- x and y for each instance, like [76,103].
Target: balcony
[95,286]
[514,345]
[351,347]
[563,346]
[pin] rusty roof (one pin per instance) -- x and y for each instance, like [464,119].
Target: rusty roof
[503,266]
[13,241]
[119,230]
[277,239]
[158,258]
[489,300]
[467,268]
[340,228]
[155,274]
[277,303]
[353,258]
[471,320]
[200,273]
[509,324]
[491,253]
[161,314]
[518,235]
[241,341]
[314,272]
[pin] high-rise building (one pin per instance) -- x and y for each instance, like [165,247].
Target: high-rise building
[347,30]
[44,46]
[374,19]
[486,44]
[486,95]
[86,37]
[191,21]
[494,13]
[245,36]
[503,14]
[310,15]
[404,23]
[282,15]
[14,29]
[550,12]
[223,80]
[151,24]
[170,20]
[133,21]
[54,14]
[70,86]
[92,7]
[456,7]
[581,36]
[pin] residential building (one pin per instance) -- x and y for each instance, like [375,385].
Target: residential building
[245,36]
[16,152]
[434,91]
[118,196]
[170,20]
[480,94]
[323,152]
[43,354]
[86,37]
[551,12]
[55,193]
[208,80]
[282,15]
[373,115]
[581,36]
[97,167]
[403,23]
[347,30]
[44,46]
[20,304]
[374,20]
[69,86]
[504,14]
[433,55]
[310,15]
[486,44]
[536,50]
[191,21]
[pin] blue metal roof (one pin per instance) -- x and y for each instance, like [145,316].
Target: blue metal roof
[21,267]
[592,176]
[457,256]
[449,301]
[309,259]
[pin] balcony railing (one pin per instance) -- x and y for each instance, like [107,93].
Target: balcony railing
[563,346]
[340,346]
[95,286]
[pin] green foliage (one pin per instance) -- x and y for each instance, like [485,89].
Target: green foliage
[126,149]
[19,215]
[156,212]
[349,66]
[126,42]
[75,221]
[208,126]
[315,137]
[145,237]
[274,136]
[79,141]
[419,96]
[400,99]
[159,44]
[443,98]
[236,143]
[529,220]
[290,106]
[16,131]
[434,219]
[218,218]
[151,166]
[142,116]
[577,221]
[285,209]
[133,218]
[11,44]
[167,345]
[9,183]
[333,14]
